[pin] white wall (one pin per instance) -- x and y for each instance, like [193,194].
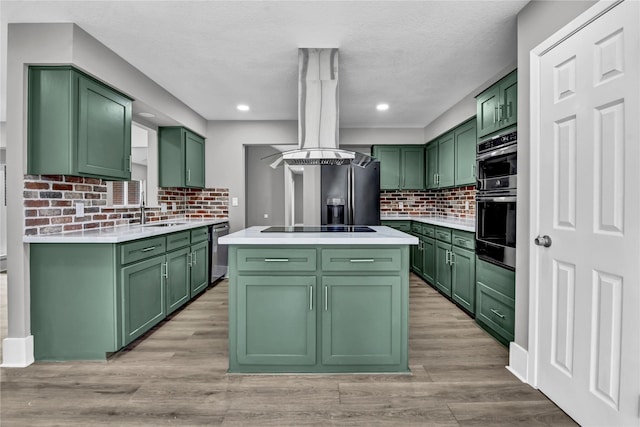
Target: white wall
[55,44]
[536,22]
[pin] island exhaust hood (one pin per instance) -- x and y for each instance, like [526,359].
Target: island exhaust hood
[318,113]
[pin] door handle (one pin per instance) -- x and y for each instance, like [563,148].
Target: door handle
[310,298]
[326,302]
[188,175]
[543,241]
[446,258]
[495,114]
[452,259]
[190,259]
[166,270]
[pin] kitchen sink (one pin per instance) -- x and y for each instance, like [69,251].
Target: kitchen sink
[164,224]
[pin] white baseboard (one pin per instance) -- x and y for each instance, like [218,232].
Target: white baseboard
[518,362]
[17,352]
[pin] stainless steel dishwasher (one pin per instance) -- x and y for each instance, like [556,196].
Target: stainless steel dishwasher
[218,259]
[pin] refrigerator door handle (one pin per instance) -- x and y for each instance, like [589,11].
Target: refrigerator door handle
[350,194]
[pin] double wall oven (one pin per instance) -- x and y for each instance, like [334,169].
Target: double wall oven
[496,199]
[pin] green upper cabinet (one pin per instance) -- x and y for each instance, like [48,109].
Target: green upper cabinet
[497,107]
[451,157]
[181,158]
[465,153]
[77,126]
[401,166]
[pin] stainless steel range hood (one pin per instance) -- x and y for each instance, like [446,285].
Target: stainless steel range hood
[318,113]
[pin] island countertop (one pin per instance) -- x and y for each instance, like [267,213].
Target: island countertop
[383,236]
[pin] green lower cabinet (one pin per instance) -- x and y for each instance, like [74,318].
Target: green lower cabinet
[417,257]
[443,268]
[178,285]
[345,309]
[199,267]
[361,320]
[429,259]
[276,320]
[495,300]
[143,296]
[464,278]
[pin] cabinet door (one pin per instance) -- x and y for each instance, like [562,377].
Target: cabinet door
[412,177]
[199,267]
[463,281]
[389,158]
[465,153]
[361,320]
[487,114]
[443,269]
[429,260]
[446,160]
[509,100]
[416,257]
[104,131]
[432,165]
[194,146]
[276,318]
[177,280]
[142,296]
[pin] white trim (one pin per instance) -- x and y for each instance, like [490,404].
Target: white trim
[535,56]
[518,362]
[17,352]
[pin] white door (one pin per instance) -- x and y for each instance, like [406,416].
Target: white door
[588,348]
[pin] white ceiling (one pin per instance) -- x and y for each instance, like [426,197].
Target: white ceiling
[421,57]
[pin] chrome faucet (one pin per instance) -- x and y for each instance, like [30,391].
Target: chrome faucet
[143,219]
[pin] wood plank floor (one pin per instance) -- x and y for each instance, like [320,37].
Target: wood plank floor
[177,375]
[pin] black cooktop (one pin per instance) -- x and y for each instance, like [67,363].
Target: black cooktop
[320,229]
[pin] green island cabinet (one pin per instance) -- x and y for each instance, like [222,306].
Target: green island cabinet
[495,295]
[180,158]
[318,309]
[92,299]
[451,158]
[77,125]
[401,166]
[497,106]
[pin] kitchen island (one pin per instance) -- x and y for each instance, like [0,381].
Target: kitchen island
[318,302]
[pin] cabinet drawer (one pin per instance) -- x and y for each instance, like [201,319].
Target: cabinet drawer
[429,230]
[282,260]
[199,234]
[178,240]
[464,239]
[142,249]
[496,311]
[416,227]
[361,260]
[404,226]
[497,278]
[443,234]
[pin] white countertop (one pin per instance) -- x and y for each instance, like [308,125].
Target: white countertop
[382,236]
[456,223]
[119,234]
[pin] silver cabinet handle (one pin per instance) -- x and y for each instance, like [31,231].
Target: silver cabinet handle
[362,260]
[495,114]
[473,170]
[497,313]
[544,241]
[195,258]
[326,298]
[276,260]
[148,249]
[446,257]
[190,259]
[166,269]
[130,163]
[310,298]
[189,175]
[452,259]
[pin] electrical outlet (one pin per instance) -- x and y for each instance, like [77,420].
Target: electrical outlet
[266,216]
[79,210]
[163,207]
[401,205]
[466,205]
[234,201]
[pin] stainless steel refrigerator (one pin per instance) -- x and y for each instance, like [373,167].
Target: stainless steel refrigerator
[350,194]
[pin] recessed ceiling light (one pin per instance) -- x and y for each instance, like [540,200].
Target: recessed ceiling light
[243,107]
[382,107]
[147,115]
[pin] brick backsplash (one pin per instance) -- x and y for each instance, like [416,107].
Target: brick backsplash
[49,204]
[450,202]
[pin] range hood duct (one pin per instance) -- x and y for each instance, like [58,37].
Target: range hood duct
[318,112]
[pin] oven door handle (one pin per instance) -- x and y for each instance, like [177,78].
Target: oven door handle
[506,150]
[506,199]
